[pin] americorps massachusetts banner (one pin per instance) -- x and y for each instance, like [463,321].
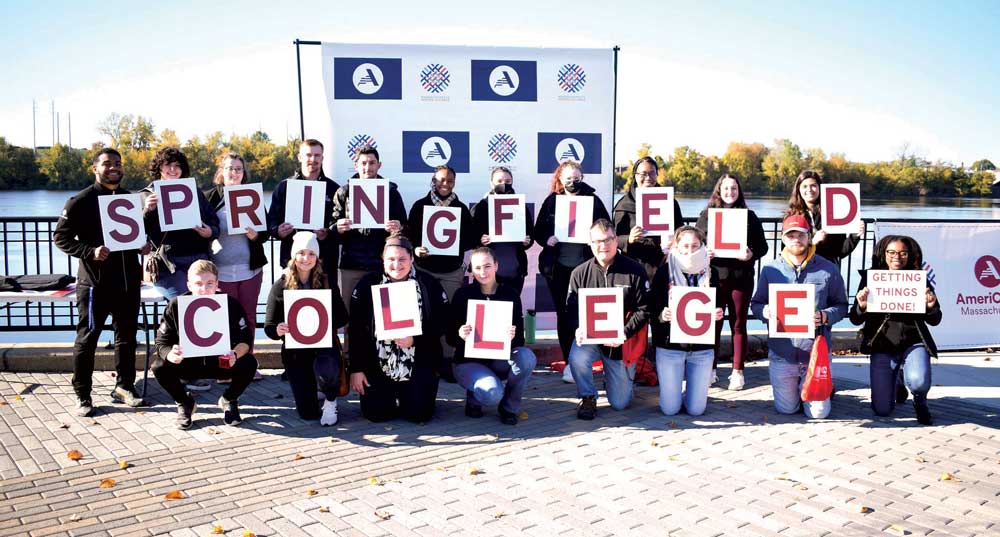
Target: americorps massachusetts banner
[473,108]
[962,265]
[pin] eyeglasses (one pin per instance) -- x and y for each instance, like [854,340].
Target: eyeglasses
[900,254]
[604,241]
[644,175]
[234,169]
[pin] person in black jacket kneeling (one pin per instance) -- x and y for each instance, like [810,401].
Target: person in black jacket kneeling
[397,377]
[237,365]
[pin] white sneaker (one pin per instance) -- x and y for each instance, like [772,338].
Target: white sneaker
[736,380]
[329,416]
[568,376]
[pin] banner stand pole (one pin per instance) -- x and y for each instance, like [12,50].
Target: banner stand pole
[614,124]
[298,68]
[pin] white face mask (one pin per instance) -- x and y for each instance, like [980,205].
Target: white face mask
[694,262]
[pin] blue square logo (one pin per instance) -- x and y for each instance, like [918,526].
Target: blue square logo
[504,80]
[425,150]
[555,147]
[367,78]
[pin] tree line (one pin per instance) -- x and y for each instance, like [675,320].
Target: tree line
[762,169]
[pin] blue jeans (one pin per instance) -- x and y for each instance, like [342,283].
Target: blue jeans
[617,378]
[674,367]
[482,381]
[171,285]
[786,385]
[884,372]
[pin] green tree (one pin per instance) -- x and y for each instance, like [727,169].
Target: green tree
[128,131]
[63,166]
[18,168]
[983,165]
[744,161]
[687,170]
[782,165]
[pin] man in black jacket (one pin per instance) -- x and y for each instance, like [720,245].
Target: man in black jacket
[606,269]
[107,283]
[311,169]
[171,365]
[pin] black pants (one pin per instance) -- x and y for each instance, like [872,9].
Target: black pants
[412,400]
[559,287]
[310,370]
[169,375]
[94,304]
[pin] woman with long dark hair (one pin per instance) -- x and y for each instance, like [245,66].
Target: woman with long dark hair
[805,200]
[736,275]
[633,240]
[897,341]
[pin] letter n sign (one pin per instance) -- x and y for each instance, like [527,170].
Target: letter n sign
[369,201]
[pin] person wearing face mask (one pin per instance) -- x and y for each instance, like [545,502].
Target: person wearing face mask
[484,379]
[511,258]
[558,259]
[632,238]
[805,200]
[682,363]
[789,357]
[898,342]
[398,377]
[735,275]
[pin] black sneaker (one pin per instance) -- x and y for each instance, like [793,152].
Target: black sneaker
[923,413]
[473,410]
[84,408]
[123,395]
[506,418]
[230,411]
[587,409]
[901,393]
[185,411]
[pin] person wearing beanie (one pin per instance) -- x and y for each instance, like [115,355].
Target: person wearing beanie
[308,369]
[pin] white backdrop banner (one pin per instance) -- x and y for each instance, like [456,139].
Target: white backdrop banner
[962,266]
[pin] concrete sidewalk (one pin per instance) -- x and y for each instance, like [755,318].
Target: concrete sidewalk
[740,469]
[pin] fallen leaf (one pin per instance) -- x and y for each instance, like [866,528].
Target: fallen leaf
[324,509]
[897,530]
[987,359]
[653,443]
[174,495]
[475,471]
[439,468]
[311,492]
[731,405]
[107,483]
[3,403]
[864,509]
[332,440]
[782,478]
[74,455]
[74,517]
[801,487]
[248,533]
[493,437]
[920,459]
[673,425]
[523,415]
[123,464]
[298,457]
[375,481]
[671,458]
[383,515]
[499,515]
[946,476]
[64,426]
[279,396]
[93,422]
[17,397]
[765,420]
[140,411]
[217,530]
[211,430]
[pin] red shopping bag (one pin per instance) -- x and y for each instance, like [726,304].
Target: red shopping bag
[819,382]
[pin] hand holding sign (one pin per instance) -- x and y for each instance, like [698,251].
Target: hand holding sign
[791,310]
[121,222]
[602,316]
[203,322]
[841,205]
[488,339]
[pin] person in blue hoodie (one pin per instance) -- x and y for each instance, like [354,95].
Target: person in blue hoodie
[789,358]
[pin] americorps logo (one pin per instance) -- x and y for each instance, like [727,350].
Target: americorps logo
[425,150]
[504,80]
[988,271]
[931,276]
[582,147]
[435,78]
[502,148]
[357,142]
[367,78]
[572,78]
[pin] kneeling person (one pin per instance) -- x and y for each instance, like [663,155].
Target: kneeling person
[171,366]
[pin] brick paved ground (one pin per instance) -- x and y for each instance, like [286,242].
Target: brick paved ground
[741,469]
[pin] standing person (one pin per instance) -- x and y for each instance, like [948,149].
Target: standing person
[237,365]
[898,341]
[735,275]
[606,269]
[805,200]
[481,378]
[308,369]
[677,363]
[181,247]
[632,238]
[558,260]
[448,269]
[106,283]
[361,247]
[240,258]
[510,256]
[310,169]
[789,358]
[397,377]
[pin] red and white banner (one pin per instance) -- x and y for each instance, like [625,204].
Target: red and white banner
[897,291]
[962,261]
[396,312]
[121,222]
[309,316]
[841,205]
[654,210]
[727,232]
[245,208]
[305,202]
[369,199]
[489,331]
[602,315]
[442,230]
[177,204]
[574,215]
[506,218]
[203,323]
[693,315]
[792,307]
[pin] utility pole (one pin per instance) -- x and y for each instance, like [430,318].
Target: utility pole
[58,125]
[69,128]
[53,123]
[34,142]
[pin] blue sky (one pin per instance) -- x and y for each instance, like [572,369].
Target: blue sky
[861,78]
